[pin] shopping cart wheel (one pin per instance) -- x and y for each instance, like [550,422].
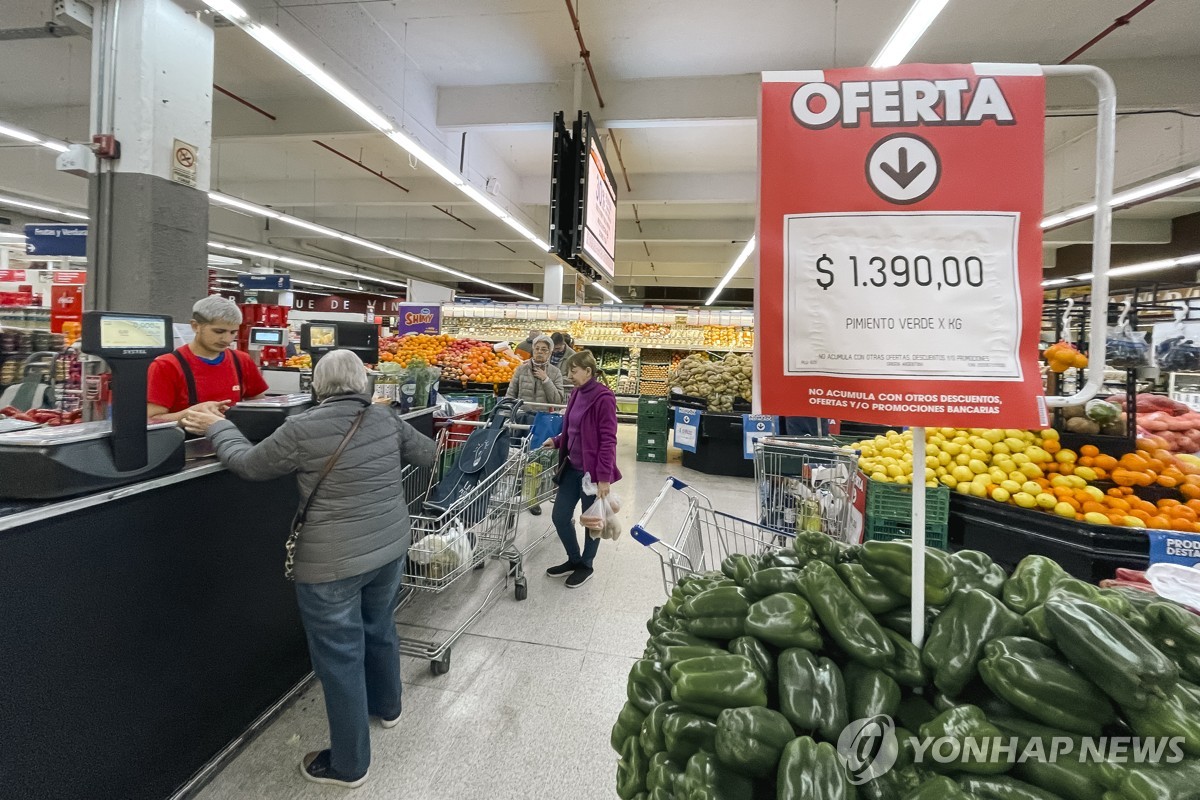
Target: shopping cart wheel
[441,666]
[522,590]
[480,565]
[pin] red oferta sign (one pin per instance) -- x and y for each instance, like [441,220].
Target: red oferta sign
[900,251]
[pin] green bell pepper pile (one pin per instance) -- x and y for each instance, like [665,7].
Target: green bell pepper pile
[753,673]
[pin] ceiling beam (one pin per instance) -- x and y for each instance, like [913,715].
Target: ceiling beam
[1125,231]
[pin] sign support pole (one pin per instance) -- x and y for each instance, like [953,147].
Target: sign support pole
[918,538]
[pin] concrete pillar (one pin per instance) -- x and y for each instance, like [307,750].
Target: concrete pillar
[552,283]
[152,74]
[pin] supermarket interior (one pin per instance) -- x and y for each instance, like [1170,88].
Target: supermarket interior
[562,399]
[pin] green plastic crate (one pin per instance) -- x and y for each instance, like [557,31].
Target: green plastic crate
[885,530]
[650,440]
[656,455]
[652,407]
[652,425]
[893,502]
[486,401]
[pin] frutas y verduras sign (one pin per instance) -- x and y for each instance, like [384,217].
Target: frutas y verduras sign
[900,252]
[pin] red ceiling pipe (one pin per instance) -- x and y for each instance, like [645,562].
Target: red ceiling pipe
[584,53]
[244,102]
[360,165]
[1119,22]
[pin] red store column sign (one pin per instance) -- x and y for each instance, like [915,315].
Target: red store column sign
[66,305]
[900,250]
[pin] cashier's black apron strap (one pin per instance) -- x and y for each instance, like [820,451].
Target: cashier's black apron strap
[188,376]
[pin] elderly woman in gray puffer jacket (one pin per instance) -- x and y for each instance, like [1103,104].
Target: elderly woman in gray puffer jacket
[350,554]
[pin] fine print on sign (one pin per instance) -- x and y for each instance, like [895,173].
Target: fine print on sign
[899,245]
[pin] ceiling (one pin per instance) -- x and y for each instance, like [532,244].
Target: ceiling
[478,81]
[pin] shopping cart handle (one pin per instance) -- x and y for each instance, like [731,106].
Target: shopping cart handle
[643,536]
[676,483]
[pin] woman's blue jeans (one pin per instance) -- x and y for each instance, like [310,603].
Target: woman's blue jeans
[355,652]
[570,494]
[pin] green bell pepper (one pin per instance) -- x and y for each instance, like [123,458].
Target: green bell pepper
[938,788]
[1104,647]
[816,546]
[914,711]
[1000,787]
[812,771]
[663,773]
[718,613]
[702,583]
[751,740]
[1153,781]
[869,692]
[1030,584]
[772,580]
[685,734]
[1032,677]
[718,682]
[956,640]
[648,685]
[783,558]
[631,770]
[705,778]
[895,784]
[976,570]
[784,620]
[877,598]
[659,794]
[1175,715]
[759,655]
[629,723]
[1105,598]
[672,655]
[1066,776]
[967,724]
[659,624]
[651,735]
[891,564]
[681,639]
[729,565]
[905,667]
[1176,632]
[812,693]
[1037,626]
[843,615]
[900,619]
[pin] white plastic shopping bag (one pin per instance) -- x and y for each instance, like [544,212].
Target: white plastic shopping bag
[600,518]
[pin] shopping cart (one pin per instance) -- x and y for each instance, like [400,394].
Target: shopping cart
[805,484]
[539,486]
[705,539]
[479,526]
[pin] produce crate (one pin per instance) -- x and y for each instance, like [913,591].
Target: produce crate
[657,455]
[651,440]
[652,407]
[892,502]
[1006,533]
[486,401]
[885,530]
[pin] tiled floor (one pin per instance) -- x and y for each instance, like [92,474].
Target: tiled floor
[534,687]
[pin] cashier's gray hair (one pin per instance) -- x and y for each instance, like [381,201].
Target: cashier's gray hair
[339,372]
[214,309]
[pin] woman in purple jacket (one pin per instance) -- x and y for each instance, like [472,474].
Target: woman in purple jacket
[589,444]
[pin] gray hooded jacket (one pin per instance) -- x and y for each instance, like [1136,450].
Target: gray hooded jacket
[358,521]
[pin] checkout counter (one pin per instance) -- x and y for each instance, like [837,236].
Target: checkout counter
[147,629]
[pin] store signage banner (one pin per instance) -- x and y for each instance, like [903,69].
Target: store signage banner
[900,251]
[12,276]
[56,240]
[755,427]
[68,277]
[66,305]
[267,283]
[418,318]
[687,428]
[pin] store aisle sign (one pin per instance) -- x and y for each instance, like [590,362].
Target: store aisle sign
[56,240]
[687,428]
[12,276]
[755,427]
[68,277]
[900,250]
[265,283]
[418,318]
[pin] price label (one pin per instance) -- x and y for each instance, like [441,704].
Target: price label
[926,295]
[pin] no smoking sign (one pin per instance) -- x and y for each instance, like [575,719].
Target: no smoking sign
[183,163]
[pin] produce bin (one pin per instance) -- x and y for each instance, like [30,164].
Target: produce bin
[889,513]
[719,449]
[656,454]
[1008,534]
[649,440]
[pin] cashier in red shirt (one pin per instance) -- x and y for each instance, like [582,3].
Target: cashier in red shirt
[206,375]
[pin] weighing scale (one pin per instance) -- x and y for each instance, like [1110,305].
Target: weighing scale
[48,463]
[258,419]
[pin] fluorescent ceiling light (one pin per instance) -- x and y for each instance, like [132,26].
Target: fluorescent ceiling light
[1148,266]
[609,294]
[242,205]
[23,135]
[1056,281]
[918,19]
[268,38]
[1154,188]
[15,202]
[733,268]
[7,235]
[299,262]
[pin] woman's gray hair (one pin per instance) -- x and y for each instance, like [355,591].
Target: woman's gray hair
[214,309]
[543,339]
[339,372]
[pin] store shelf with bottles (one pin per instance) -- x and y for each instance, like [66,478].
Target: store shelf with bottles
[24,318]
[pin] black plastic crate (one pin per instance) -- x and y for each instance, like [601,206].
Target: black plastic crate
[1008,534]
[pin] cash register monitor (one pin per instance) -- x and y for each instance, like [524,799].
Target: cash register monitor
[268,337]
[128,342]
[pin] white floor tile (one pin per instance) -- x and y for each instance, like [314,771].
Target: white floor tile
[534,686]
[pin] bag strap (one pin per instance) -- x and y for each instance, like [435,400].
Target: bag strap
[237,368]
[329,465]
[189,377]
